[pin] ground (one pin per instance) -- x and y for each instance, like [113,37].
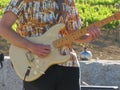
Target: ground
[106,47]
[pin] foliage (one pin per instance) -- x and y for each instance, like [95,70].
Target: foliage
[3,4]
[92,12]
[98,2]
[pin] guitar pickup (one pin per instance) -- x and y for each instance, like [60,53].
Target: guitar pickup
[29,56]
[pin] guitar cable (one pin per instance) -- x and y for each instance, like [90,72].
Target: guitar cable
[26,74]
[1,60]
[79,72]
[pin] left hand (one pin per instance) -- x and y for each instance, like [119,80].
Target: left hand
[92,34]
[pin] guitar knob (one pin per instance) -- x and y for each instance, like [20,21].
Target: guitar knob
[35,72]
[37,61]
[37,66]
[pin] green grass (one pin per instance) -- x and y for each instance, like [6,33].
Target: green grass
[3,4]
[92,13]
[99,2]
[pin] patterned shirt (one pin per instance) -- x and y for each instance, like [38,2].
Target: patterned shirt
[35,17]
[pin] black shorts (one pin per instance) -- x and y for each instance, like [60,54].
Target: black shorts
[56,78]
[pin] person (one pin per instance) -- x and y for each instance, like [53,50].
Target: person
[33,18]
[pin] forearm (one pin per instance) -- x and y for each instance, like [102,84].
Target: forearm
[13,37]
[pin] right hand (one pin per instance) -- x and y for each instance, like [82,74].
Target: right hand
[40,50]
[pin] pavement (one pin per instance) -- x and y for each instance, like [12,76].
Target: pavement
[93,72]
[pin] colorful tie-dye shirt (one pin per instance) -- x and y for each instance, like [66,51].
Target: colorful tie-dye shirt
[35,17]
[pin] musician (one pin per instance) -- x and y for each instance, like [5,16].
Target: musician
[33,19]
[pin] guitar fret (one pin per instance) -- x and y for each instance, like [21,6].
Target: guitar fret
[104,21]
[69,38]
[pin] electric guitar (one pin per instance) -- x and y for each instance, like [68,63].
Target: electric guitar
[24,62]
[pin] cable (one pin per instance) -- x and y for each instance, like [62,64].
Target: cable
[79,72]
[1,60]
[27,73]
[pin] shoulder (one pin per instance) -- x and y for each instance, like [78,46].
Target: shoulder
[15,6]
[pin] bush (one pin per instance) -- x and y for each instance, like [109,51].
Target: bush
[93,13]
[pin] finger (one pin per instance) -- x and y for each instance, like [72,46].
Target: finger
[43,52]
[95,33]
[47,47]
[43,55]
[92,33]
[73,57]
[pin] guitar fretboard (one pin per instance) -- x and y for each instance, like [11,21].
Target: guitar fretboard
[77,34]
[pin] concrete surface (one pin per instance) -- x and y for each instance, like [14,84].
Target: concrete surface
[100,72]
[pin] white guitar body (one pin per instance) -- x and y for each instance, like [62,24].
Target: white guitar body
[23,59]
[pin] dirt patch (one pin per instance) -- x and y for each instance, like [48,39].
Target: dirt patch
[107,46]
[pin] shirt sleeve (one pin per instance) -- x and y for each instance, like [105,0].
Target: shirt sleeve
[15,6]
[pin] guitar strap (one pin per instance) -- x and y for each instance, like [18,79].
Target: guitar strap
[62,18]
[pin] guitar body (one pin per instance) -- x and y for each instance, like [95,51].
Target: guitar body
[23,59]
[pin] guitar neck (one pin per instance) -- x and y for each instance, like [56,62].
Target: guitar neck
[78,33]
[104,21]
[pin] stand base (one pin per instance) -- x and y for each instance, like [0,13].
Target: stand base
[91,87]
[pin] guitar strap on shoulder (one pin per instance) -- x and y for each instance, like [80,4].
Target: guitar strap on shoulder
[61,12]
[62,18]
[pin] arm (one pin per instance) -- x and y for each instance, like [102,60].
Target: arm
[92,34]
[6,31]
